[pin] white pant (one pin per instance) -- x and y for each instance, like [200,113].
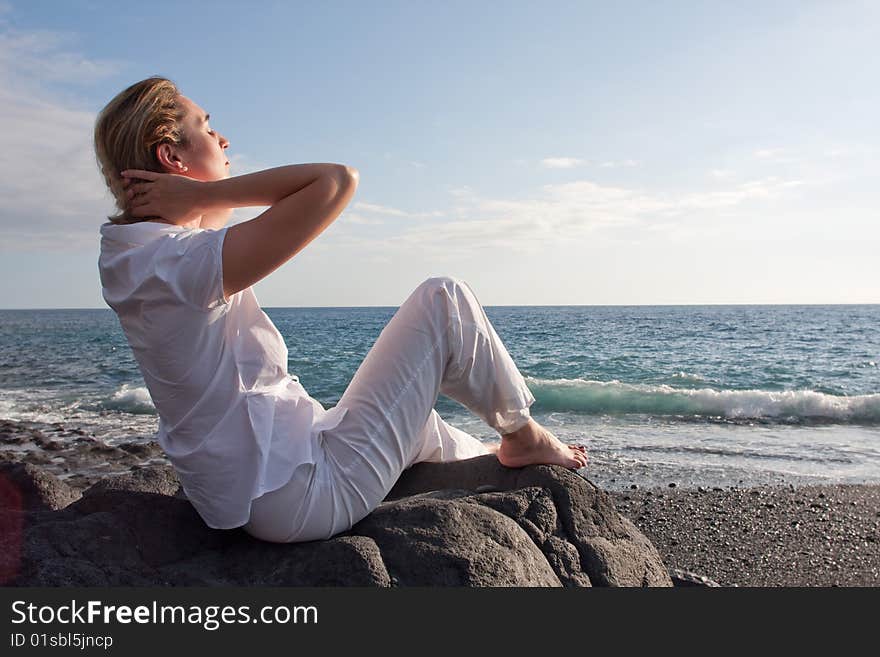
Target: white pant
[438,341]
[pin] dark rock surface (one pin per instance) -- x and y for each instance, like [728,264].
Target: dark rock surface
[469,523]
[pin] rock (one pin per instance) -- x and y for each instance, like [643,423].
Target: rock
[160,479]
[533,526]
[684,578]
[452,541]
[612,551]
[143,450]
[26,487]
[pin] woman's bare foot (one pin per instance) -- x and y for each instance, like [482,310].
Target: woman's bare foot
[533,445]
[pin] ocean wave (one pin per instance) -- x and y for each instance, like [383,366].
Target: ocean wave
[131,399]
[614,397]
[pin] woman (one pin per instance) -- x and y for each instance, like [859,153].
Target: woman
[252,449]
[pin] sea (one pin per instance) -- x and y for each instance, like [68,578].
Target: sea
[687,396]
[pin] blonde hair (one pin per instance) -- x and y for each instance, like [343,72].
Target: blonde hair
[128,129]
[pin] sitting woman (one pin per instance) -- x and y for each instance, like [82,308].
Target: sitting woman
[251,447]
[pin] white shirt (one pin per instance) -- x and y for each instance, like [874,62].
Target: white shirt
[232,421]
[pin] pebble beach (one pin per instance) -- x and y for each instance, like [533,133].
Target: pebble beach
[768,536]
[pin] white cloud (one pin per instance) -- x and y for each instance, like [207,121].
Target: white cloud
[755,189]
[355,218]
[50,187]
[51,194]
[850,151]
[394,212]
[561,162]
[767,153]
[616,164]
[384,209]
[33,58]
[774,155]
[462,192]
[562,213]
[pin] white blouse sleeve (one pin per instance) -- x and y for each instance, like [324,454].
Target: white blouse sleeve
[192,267]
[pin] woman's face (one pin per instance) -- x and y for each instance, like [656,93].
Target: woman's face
[205,155]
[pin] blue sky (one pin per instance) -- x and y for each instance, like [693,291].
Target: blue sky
[547,153]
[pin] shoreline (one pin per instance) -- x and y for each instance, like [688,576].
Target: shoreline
[781,535]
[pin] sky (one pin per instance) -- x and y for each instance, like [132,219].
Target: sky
[548,153]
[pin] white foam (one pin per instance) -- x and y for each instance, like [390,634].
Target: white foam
[616,397]
[131,399]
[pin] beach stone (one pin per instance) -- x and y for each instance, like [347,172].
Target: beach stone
[159,479]
[143,450]
[450,540]
[686,578]
[25,486]
[340,561]
[532,526]
[612,551]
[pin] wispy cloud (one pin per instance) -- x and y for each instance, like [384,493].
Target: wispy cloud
[562,162]
[393,212]
[461,192]
[384,209]
[561,213]
[616,164]
[774,155]
[765,188]
[33,58]
[767,153]
[359,219]
[51,194]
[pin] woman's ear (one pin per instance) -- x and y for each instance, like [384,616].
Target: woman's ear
[169,160]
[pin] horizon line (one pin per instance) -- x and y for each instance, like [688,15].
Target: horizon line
[561,305]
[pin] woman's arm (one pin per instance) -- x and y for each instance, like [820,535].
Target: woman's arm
[303,200]
[179,199]
[266,187]
[254,249]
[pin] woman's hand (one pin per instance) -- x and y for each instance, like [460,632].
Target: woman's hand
[174,198]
